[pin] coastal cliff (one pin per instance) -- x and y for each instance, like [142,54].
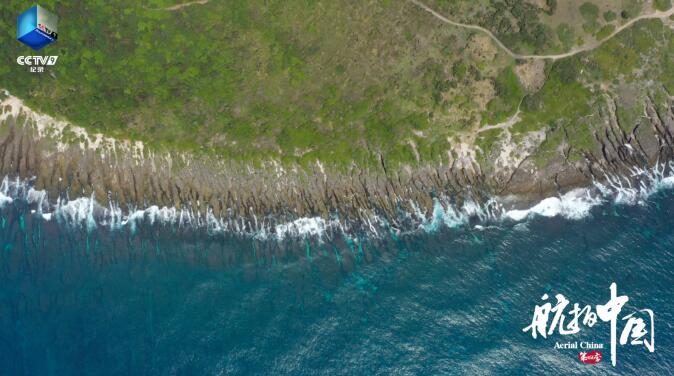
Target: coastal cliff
[410,113]
[68,163]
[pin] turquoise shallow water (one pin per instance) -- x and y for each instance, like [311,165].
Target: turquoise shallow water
[455,301]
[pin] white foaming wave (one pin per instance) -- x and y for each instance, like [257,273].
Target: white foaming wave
[634,189]
[301,227]
[132,220]
[667,183]
[447,214]
[86,212]
[575,204]
[6,190]
[4,200]
[77,212]
[36,197]
[442,215]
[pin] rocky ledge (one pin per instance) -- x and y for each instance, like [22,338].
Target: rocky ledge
[67,162]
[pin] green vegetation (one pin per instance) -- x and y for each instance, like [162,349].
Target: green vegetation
[509,92]
[337,81]
[253,80]
[610,16]
[624,56]
[605,32]
[662,5]
[516,23]
[535,27]
[562,99]
[568,107]
[631,8]
[589,11]
[565,35]
[486,140]
[526,33]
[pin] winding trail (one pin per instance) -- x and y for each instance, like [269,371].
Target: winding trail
[174,8]
[504,125]
[574,51]
[180,6]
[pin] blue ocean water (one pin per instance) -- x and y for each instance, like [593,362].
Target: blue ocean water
[454,301]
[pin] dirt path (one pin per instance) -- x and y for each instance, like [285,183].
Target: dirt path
[505,125]
[181,6]
[574,51]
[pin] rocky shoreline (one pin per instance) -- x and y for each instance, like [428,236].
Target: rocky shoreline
[68,163]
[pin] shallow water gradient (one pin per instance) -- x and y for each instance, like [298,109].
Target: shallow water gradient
[158,302]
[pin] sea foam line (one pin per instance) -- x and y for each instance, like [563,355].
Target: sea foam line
[87,213]
[634,189]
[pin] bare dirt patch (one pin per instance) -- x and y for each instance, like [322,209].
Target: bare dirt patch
[531,74]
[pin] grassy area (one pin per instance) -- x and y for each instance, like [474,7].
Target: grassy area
[562,100]
[486,141]
[571,105]
[252,80]
[605,31]
[509,92]
[545,26]
[338,81]
[662,5]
